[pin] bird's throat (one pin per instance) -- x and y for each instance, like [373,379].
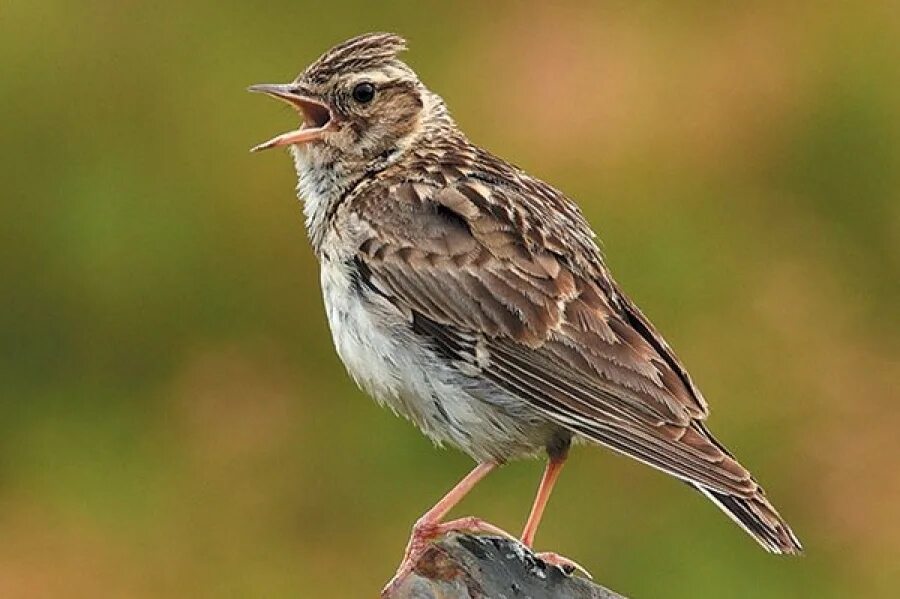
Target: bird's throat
[323,179]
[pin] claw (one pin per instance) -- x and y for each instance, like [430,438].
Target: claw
[563,563]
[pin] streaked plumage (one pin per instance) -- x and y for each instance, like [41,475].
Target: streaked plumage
[472,298]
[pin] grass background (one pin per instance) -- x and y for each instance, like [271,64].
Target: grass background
[174,421]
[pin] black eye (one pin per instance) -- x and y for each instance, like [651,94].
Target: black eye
[364,92]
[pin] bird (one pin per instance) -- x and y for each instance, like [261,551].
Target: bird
[473,299]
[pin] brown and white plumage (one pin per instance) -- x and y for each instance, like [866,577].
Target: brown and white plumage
[473,299]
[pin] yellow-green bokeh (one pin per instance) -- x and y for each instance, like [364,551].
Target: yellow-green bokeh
[174,421]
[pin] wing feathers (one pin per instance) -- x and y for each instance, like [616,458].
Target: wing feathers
[509,297]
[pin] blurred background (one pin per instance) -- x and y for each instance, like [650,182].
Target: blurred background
[175,423]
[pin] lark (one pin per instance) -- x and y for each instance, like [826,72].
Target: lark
[472,299]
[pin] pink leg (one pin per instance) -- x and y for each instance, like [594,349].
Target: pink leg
[455,495]
[551,474]
[429,525]
[554,467]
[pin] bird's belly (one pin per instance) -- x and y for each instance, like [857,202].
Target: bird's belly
[396,367]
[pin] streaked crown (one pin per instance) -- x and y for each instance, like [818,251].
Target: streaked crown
[367,52]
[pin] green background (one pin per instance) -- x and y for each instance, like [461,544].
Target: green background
[175,423]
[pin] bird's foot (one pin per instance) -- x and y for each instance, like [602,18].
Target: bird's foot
[563,563]
[425,531]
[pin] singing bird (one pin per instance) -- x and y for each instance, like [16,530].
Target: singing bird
[472,298]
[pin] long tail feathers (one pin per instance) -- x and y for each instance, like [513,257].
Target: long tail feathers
[759,519]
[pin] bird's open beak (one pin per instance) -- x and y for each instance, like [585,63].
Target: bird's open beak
[317,117]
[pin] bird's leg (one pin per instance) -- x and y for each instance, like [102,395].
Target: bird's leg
[429,526]
[548,480]
[433,516]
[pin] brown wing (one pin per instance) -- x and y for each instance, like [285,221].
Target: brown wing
[546,326]
[501,273]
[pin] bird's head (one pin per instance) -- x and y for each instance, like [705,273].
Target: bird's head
[358,100]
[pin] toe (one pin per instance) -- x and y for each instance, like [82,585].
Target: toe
[475,525]
[563,563]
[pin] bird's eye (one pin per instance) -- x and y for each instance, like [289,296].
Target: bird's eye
[364,92]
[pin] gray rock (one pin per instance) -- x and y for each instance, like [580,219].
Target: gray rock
[460,566]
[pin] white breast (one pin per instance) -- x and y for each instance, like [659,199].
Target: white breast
[367,350]
[388,361]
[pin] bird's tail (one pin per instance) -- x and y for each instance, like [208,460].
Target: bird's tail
[759,519]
